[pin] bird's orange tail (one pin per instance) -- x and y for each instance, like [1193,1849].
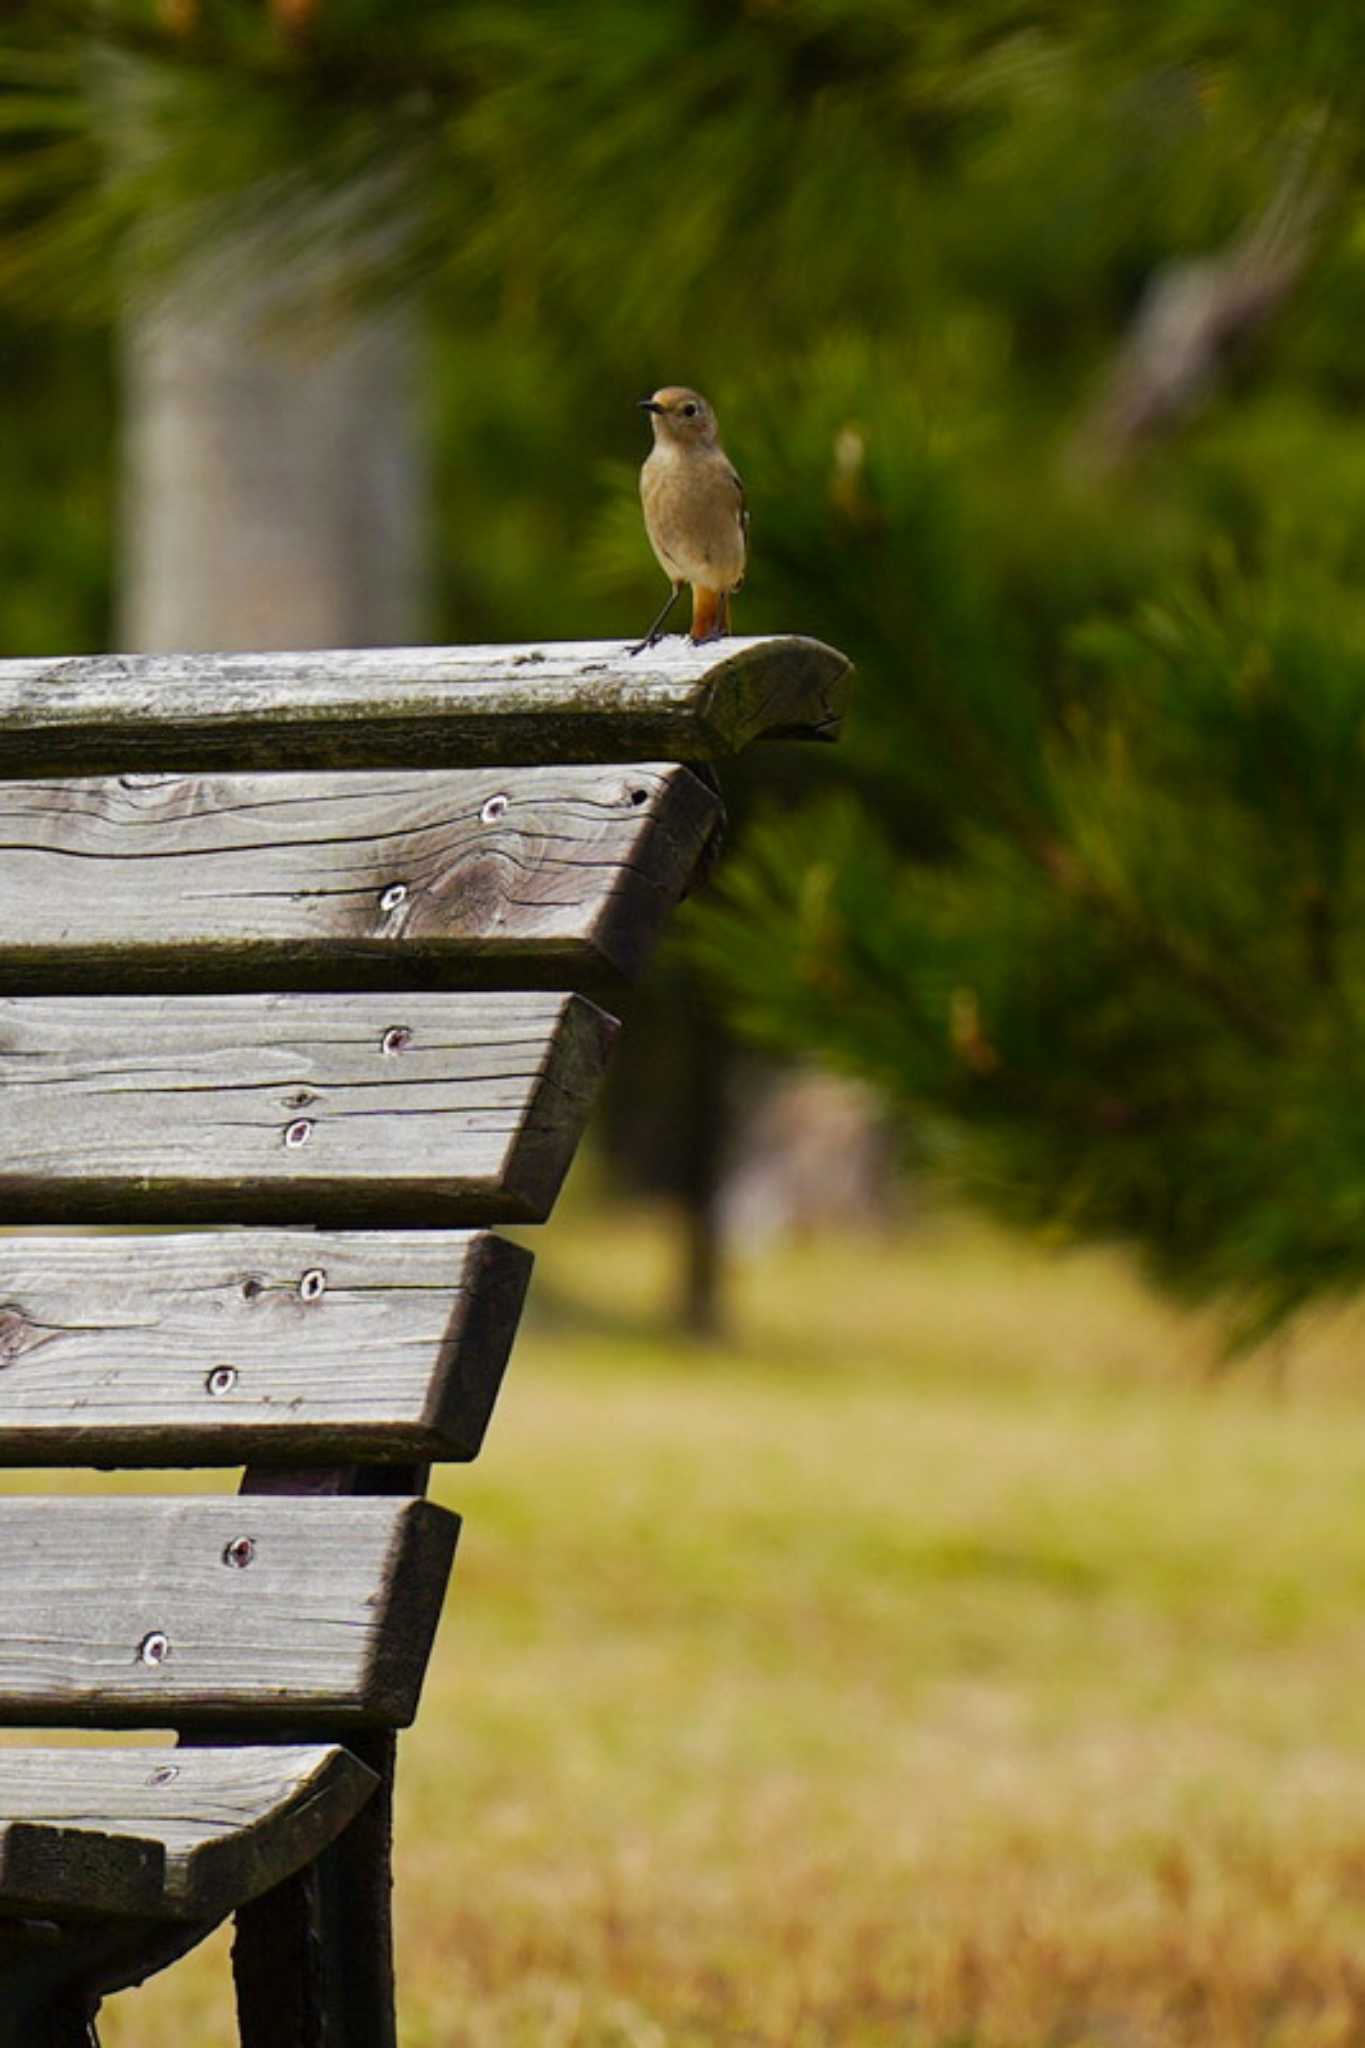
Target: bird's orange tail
[710,613]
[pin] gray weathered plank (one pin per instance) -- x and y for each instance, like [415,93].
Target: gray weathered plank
[540,876]
[186,1611]
[274,1346]
[179,1834]
[419,706]
[415,1109]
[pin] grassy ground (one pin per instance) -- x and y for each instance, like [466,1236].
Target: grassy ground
[947,1663]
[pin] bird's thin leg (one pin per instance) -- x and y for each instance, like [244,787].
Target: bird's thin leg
[656,630]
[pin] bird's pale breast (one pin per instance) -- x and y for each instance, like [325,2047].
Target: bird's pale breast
[693,515]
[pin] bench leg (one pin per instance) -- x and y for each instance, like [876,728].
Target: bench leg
[277,1967]
[60,2025]
[313,1959]
[54,1979]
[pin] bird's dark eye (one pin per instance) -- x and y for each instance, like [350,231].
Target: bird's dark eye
[690,412]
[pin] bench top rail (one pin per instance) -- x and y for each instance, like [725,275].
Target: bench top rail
[415,706]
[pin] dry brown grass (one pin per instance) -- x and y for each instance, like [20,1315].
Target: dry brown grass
[944,1664]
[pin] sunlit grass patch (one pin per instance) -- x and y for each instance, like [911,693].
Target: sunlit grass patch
[927,1691]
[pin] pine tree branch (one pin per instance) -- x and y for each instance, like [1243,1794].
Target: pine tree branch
[363,70]
[1066,874]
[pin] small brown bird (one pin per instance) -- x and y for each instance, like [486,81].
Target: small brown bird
[695,514]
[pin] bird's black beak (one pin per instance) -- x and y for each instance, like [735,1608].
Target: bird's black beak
[649,405]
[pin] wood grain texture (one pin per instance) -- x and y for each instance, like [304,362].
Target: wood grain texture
[416,1109]
[415,706]
[267,1345]
[181,1834]
[538,876]
[149,1611]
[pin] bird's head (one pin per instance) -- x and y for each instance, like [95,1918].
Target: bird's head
[681,416]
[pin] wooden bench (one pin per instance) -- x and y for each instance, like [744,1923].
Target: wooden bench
[291,949]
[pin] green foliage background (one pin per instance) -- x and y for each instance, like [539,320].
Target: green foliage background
[1082,892]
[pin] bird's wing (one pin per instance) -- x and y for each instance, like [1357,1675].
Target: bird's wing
[738,482]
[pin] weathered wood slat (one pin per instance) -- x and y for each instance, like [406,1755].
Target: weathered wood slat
[287,1347]
[542,876]
[179,1834]
[415,1109]
[188,1611]
[419,707]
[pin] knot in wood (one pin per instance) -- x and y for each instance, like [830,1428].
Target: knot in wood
[472,892]
[14,1334]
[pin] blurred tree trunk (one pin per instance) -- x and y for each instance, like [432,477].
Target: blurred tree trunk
[667,1126]
[708,1056]
[274,489]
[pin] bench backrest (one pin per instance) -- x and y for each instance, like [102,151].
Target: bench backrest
[290,947]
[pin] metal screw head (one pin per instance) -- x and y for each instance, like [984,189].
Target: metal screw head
[298,1133]
[154,1648]
[239,1552]
[164,1774]
[397,1038]
[221,1380]
[495,808]
[313,1285]
[393,896]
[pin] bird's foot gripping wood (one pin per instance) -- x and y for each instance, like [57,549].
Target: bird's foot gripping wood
[656,631]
